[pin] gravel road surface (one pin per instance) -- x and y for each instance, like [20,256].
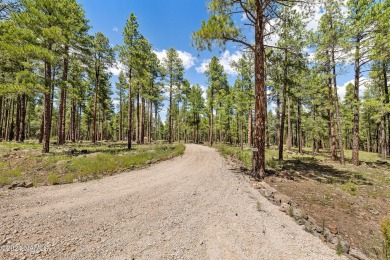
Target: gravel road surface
[191,207]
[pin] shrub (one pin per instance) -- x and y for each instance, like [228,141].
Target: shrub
[53,179]
[350,187]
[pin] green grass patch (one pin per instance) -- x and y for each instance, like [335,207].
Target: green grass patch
[385,225]
[350,188]
[81,162]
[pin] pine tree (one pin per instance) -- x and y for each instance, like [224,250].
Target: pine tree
[103,58]
[174,70]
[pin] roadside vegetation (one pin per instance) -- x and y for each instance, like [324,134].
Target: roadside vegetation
[76,162]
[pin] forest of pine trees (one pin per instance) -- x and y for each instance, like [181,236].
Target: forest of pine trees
[55,79]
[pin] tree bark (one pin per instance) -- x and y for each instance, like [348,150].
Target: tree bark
[283,114]
[299,139]
[130,115]
[142,125]
[337,110]
[170,111]
[95,103]
[250,140]
[138,132]
[289,126]
[62,107]
[47,108]
[355,142]
[22,121]
[18,112]
[332,136]
[260,96]
[211,120]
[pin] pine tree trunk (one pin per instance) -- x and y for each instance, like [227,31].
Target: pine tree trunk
[387,101]
[138,132]
[18,110]
[258,159]
[11,121]
[150,122]
[22,121]
[211,122]
[120,115]
[241,132]
[95,104]
[250,141]
[62,107]
[170,112]
[142,125]
[47,108]
[337,110]
[332,135]
[299,130]
[130,115]
[289,126]
[73,120]
[156,122]
[283,114]
[355,143]
[383,137]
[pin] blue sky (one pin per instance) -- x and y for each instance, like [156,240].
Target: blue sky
[170,23]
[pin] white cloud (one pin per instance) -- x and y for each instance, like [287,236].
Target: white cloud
[225,59]
[116,68]
[341,90]
[244,17]
[203,66]
[115,29]
[187,58]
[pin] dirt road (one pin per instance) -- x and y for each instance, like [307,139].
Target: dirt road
[191,207]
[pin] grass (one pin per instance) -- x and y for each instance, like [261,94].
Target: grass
[386,234]
[76,162]
[350,188]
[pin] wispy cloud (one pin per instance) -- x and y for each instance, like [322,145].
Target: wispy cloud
[187,58]
[225,59]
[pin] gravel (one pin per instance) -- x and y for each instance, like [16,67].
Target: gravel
[191,207]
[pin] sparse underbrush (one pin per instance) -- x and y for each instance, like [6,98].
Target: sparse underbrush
[78,162]
[352,198]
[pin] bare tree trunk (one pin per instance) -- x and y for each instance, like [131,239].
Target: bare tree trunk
[18,109]
[130,115]
[250,140]
[95,103]
[170,112]
[383,137]
[332,136]
[211,122]
[355,144]
[289,126]
[156,121]
[62,107]
[142,125]
[337,110]
[47,108]
[241,132]
[260,96]
[138,132]
[300,141]
[283,114]
[22,121]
